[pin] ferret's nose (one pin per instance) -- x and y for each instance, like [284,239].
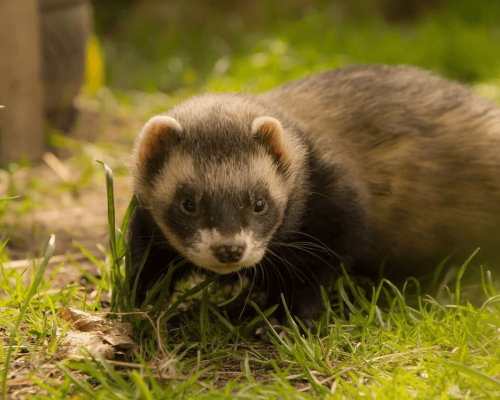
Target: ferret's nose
[229,254]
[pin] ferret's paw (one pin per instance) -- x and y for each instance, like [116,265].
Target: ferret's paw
[262,330]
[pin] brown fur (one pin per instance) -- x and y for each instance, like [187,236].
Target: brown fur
[272,136]
[425,151]
[151,142]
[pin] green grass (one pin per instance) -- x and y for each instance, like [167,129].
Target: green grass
[157,47]
[371,341]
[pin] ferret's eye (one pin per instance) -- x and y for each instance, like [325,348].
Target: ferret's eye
[259,206]
[188,206]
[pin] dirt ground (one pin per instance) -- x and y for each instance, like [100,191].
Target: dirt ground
[65,195]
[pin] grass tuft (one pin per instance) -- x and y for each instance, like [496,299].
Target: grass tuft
[380,341]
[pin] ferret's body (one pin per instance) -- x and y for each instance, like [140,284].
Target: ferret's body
[366,164]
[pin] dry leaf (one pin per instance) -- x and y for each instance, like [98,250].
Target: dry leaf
[101,337]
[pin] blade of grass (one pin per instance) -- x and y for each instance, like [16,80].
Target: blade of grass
[473,373]
[223,320]
[164,287]
[224,303]
[5,199]
[31,292]
[111,211]
[128,213]
[259,318]
[460,275]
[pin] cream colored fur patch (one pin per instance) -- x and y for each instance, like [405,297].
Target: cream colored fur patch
[201,253]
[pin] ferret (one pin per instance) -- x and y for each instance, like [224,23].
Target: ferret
[365,165]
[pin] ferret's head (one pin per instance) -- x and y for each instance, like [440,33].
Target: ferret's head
[216,174]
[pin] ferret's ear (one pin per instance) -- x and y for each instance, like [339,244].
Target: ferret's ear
[269,131]
[158,133]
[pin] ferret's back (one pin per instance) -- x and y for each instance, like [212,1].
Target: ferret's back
[426,150]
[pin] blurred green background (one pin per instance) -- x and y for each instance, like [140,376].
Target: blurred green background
[183,46]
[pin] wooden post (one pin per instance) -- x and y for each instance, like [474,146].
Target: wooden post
[21,121]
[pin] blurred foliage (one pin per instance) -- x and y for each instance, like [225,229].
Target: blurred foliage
[240,45]
[94,68]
